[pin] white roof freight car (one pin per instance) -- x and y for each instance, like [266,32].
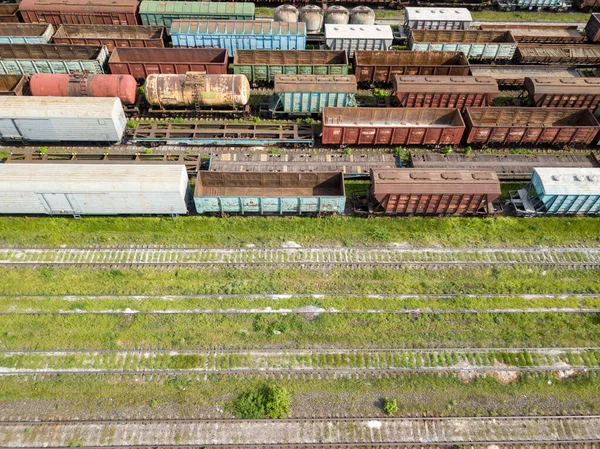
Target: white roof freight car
[93,189]
[358,37]
[437,18]
[61,119]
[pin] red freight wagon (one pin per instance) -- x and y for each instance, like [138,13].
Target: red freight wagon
[392,126]
[112,36]
[563,92]
[9,12]
[550,126]
[80,12]
[141,62]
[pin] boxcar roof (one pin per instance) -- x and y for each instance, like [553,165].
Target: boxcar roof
[338,31]
[442,14]
[92,178]
[427,180]
[568,181]
[428,83]
[40,107]
[392,117]
[315,83]
[74,6]
[549,85]
[244,27]
[204,7]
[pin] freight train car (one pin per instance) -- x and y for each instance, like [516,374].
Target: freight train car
[514,75]
[437,18]
[26,33]
[111,36]
[380,67]
[563,93]
[57,119]
[141,62]
[14,85]
[392,126]
[592,28]
[477,45]
[23,59]
[9,13]
[418,91]
[261,66]
[239,35]
[358,37]
[559,191]
[413,191]
[163,13]
[534,126]
[571,55]
[552,5]
[309,94]
[266,193]
[543,34]
[80,12]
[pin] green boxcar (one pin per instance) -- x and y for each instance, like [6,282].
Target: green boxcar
[162,13]
[261,66]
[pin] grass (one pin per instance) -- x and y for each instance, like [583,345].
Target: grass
[530,16]
[237,231]
[418,395]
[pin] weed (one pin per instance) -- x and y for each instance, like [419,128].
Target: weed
[403,154]
[447,149]
[42,150]
[275,151]
[380,93]
[132,123]
[348,150]
[147,150]
[270,401]
[153,403]
[468,150]
[390,406]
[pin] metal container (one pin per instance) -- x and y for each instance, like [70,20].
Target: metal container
[81,12]
[239,35]
[380,67]
[141,62]
[587,5]
[309,94]
[261,66]
[93,189]
[358,37]
[536,126]
[14,85]
[545,34]
[421,91]
[476,45]
[123,87]
[362,15]
[26,33]
[571,55]
[163,13]
[195,89]
[552,5]
[58,119]
[392,126]
[592,28]
[514,75]
[111,36]
[312,17]
[563,93]
[267,193]
[437,18]
[414,191]
[9,12]
[285,13]
[27,59]
[559,191]
[337,15]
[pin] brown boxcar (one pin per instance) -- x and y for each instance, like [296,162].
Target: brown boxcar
[112,36]
[14,85]
[508,125]
[80,12]
[141,62]
[392,126]
[549,34]
[381,66]
[587,5]
[577,54]
[563,93]
[592,28]
[414,191]
[418,91]
[514,75]
[9,12]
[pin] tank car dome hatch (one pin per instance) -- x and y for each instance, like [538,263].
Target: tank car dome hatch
[286,13]
[337,15]
[362,15]
[312,16]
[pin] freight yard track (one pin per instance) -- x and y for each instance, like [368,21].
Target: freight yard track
[302,362]
[309,257]
[300,432]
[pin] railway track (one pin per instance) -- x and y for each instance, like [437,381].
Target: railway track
[318,432]
[323,363]
[308,257]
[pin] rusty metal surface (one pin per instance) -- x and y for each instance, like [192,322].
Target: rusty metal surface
[592,28]
[540,33]
[290,57]
[315,83]
[455,36]
[196,89]
[111,36]
[141,62]
[57,12]
[559,92]
[8,13]
[381,66]
[558,54]
[49,51]
[14,85]
[514,75]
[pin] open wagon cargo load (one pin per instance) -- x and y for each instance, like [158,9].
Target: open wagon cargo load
[111,36]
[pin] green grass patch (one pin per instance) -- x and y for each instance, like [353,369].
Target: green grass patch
[237,231]
[530,16]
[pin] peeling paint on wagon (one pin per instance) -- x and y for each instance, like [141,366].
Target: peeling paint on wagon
[111,36]
[82,12]
[9,13]
[14,85]
[26,33]
[163,13]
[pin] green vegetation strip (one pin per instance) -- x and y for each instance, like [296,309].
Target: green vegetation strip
[530,16]
[298,331]
[284,303]
[418,395]
[237,231]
